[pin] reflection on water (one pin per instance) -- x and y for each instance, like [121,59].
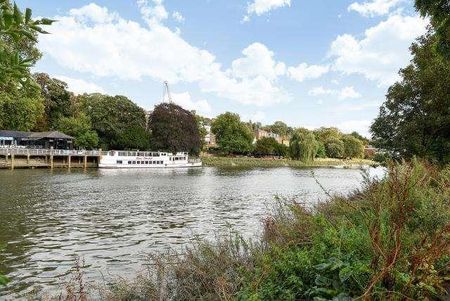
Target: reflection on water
[112,218]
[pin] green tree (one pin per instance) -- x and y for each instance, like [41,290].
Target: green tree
[118,121]
[353,147]
[232,135]
[57,100]
[439,13]
[334,148]
[279,127]
[174,129]
[321,151]
[415,119]
[358,136]
[323,134]
[20,110]
[80,128]
[266,146]
[18,37]
[303,145]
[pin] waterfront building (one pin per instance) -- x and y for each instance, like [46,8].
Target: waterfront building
[260,133]
[52,139]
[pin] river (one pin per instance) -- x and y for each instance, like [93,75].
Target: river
[113,218]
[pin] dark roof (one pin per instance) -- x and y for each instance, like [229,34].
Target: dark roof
[35,135]
[52,135]
[15,134]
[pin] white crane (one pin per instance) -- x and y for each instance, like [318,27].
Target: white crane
[167,92]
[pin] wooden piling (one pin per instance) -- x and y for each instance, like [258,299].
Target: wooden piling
[69,161]
[85,162]
[12,161]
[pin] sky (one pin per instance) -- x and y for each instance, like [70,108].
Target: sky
[308,63]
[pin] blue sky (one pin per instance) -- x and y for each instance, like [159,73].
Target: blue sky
[308,63]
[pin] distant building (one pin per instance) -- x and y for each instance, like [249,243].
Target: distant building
[53,139]
[260,133]
[369,151]
[210,138]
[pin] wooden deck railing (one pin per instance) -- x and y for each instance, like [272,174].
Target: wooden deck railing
[47,152]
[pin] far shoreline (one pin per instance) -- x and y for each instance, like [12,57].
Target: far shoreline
[245,162]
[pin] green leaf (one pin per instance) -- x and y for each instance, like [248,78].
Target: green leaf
[17,15]
[3,280]
[27,15]
[345,273]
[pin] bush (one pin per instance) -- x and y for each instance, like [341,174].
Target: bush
[334,148]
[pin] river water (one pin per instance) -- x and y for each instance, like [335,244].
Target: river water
[113,218]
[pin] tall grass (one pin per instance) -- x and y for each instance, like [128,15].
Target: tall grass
[387,241]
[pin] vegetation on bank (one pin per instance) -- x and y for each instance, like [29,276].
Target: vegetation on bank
[387,241]
[248,162]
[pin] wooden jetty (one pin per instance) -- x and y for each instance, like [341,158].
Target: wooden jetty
[12,158]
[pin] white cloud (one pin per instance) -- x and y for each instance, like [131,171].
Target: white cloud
[93,40]
[303,71]
[257,61]
[178,16]
[185,100]
[260,7]
[360,126]
[348,92]
[257,116]
[153,14]
[344,93]
[374,7]
[79,86]
[383,50]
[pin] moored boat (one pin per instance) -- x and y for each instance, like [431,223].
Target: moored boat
[137,159]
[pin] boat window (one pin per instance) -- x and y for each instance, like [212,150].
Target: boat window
[134,162]
[119,162]
[129,162]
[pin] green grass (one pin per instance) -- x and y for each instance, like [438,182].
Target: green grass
[249,162]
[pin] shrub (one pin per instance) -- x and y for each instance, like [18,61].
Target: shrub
[334,148]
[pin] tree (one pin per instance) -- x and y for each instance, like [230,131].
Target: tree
[174,129]
[20,110]
[334,148]
[279,127]
[232,135]
[321,151]
[266,146]
[57,100]
[353,147]
[80,128]
[303,145]
[358,136]
[439,13]
[18,37]
[323,134]
[118,121]
[415,119]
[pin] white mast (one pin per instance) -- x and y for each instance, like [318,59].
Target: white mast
[167,92]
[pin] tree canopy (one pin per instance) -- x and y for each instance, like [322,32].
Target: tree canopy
[439,13]
[303,145]
[353,147]
[415,118]
[119,122]
[232,135]
[266,146]
[174,129]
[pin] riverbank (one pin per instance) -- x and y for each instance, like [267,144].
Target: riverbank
[248,162]
[387,241]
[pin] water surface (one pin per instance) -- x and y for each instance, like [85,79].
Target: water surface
[113,218]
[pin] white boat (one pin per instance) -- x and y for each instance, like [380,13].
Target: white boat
[129,159]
